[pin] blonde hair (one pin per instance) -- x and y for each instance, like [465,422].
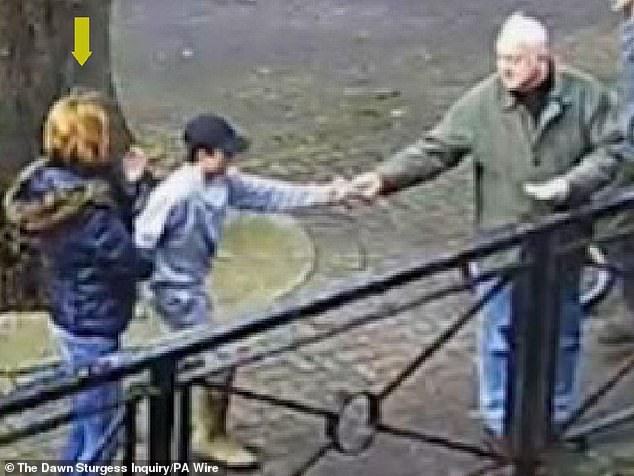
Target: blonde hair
[77,130]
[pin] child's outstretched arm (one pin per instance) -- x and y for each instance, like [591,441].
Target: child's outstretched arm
[252,192]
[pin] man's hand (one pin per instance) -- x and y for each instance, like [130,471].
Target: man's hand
[366,186]
[555,190]
[625,6]
[134,163]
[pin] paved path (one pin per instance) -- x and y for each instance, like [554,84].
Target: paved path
[329,86]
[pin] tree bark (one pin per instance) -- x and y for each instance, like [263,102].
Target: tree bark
[37,66]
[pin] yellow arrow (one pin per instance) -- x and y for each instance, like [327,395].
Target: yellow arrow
[82,40]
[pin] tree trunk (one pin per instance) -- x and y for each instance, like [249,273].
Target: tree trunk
[36,67]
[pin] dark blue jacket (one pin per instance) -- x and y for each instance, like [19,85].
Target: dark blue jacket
[92,265]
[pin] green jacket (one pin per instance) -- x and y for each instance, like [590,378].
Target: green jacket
[577,137]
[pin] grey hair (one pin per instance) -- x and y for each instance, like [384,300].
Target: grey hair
[521,30]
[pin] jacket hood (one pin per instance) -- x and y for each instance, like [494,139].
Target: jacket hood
[46,195]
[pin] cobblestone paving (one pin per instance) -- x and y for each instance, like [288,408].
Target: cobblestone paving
[439,398]
[428,53]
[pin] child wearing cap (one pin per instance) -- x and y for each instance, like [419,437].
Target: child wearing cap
[182,226]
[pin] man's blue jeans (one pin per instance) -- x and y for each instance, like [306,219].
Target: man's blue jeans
[86,434]
[494,355]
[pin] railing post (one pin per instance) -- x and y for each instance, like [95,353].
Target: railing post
[184,424]
[534,342]
[3,289]
[129,449]
[161,411]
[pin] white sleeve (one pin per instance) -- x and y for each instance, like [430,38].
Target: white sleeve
[150,223]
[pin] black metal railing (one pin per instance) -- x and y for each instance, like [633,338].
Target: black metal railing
[536,279]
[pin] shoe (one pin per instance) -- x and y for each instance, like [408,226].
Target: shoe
[210,440]
[224,451]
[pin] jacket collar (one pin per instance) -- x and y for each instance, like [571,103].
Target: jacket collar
[559,95]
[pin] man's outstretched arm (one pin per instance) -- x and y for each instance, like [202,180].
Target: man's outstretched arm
[436,151]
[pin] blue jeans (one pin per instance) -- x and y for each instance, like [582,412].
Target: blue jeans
[86,434]
[494,355]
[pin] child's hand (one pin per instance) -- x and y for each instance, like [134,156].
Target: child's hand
[340,189]
[366,187]
[134,163]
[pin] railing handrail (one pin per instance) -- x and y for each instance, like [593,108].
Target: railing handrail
[342,292]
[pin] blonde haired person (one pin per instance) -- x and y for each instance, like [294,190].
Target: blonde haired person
[66,202]
[76,132]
